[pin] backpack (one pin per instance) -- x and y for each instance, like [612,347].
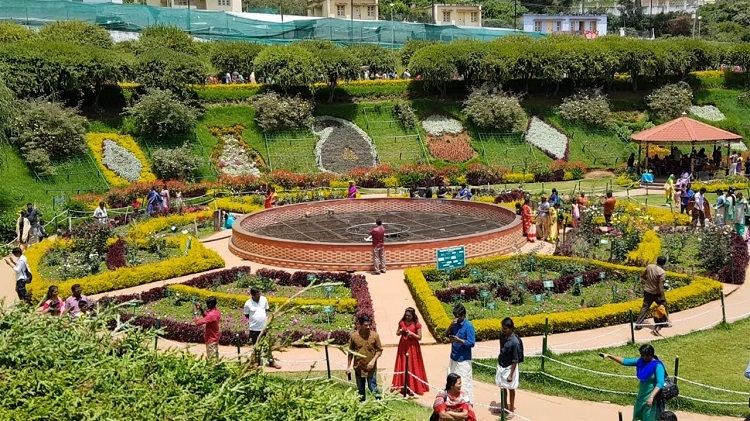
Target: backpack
[28,274]
[520,349]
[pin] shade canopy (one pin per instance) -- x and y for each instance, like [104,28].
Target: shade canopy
[685,130]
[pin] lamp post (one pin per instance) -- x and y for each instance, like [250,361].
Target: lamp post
[393,34]
[699,26]
[693,16]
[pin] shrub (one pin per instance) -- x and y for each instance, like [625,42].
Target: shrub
[91,237]
[735,270]
[47,131]
[412,46]
[274,112]
[647,251]
[670,101]
[76,32]
[13,32]
[160,115]
[166,37]
[287,66]
[235,56]
[116,255]
[176,163]
[405,114]
[161,68]
[375,57]
[495,110]
[586,107]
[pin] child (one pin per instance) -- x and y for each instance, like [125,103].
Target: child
[661,318]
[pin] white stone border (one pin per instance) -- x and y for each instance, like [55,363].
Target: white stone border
[323,136]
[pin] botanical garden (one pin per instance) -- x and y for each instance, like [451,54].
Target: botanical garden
[178,161]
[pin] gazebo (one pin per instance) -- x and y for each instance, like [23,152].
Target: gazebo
[683,131]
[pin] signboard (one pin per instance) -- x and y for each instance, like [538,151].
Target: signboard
[451,258]
[549,284]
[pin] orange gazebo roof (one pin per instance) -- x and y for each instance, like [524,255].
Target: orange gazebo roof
[687,130]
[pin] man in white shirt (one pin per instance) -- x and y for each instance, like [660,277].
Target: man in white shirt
[21,266]
[255,310]
[100,213]
[699,210]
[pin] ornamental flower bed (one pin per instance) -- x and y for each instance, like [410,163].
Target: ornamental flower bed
[547,138]
[232,156]
[342,146]
[707,112]
[438,125]
[451,148]
[119,158]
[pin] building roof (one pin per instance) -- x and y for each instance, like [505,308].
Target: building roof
[685,129]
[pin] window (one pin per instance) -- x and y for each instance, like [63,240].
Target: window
[537,26]
[446,16]
[182,2]
[558,25]
[370,11]
[592,26]
[223,2]
[340,10]
[475,17]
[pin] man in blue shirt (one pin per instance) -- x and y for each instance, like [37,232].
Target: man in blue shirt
[462,336]
[464,193]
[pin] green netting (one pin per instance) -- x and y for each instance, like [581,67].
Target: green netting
[222,25]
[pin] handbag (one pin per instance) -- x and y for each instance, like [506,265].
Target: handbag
[670,389]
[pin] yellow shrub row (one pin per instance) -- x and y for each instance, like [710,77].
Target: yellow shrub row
[516,177]
[347,305]
[198,259]
[700,291]
[240,204]
[633,213]
[647,251]
[714,186]
[96,144]
[139,231]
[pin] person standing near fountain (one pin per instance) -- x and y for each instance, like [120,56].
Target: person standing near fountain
[352,191]
[378,247]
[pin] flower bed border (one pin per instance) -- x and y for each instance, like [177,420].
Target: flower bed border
[95,142]
[188,332]
[700,291]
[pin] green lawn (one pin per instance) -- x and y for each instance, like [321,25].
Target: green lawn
[726,101]
[716,357]
[293,151]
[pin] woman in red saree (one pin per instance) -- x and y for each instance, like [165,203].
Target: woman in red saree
[527,217]
[411,333]
[450,404]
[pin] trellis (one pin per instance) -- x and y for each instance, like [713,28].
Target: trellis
[78,175]
[507,149]
[393,142]
[292,150]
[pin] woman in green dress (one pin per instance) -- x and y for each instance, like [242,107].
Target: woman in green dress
[651,374]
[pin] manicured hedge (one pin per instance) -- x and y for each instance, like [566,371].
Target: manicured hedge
[700,291]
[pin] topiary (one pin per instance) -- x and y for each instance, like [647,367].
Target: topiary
[670,101]
[586,107]
[405,114]
[274,112]
[160,115]
[493,109]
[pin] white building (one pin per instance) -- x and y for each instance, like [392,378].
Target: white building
[587,25]
[221,5]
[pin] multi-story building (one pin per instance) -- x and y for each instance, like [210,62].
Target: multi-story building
[456,14]
[566,24]
[343,9]
[225,5]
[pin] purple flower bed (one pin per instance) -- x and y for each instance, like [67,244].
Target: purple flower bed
[738,266]
[188,332]
[561,285]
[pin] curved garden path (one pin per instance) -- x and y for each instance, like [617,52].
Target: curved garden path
[390,296]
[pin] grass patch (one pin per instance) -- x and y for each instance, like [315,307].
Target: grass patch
[709,357]
[726,101]
[292,151]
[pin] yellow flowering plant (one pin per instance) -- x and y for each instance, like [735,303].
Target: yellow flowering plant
[95,142]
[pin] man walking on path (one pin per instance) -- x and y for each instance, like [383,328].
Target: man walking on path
[210,319]
[21,267]
[255,310]
[378,247]
[507,363]
[653,287]
[33,214]
[609,208]
[463,337]
[367,343]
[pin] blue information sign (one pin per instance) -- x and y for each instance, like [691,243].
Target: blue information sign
[451,258]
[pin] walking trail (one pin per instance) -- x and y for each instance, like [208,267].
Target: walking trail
[391,296]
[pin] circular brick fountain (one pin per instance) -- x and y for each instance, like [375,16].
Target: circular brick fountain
[331,235]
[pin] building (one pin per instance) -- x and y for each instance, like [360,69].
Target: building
[221,5]
[589,25]
[648,7]
[343,9]
[456,14]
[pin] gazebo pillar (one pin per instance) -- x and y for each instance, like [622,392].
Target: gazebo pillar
[692,161]
[726,172]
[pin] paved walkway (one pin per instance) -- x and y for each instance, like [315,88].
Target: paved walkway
[390,297]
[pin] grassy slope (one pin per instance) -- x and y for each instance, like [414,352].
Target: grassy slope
[716,357]
[726,100]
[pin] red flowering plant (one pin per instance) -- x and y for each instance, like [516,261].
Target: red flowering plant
[288,179]
[241,183]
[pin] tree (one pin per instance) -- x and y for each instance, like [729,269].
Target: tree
[335,63]
[492,109]
[13,32]
[159,37]
[376,58]
[287,66]
[435,64]
[234,56]
[76,32]
[412,46]
[160,115]
[165,69]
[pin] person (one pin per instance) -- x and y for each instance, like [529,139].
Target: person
[687,196]
[153,201]
[464,193]
[52,303]
[554,197]
[410,332]
[507,364]
[352,194]
[442,191]
[653,287]
[178,202]
[554,209]
[669,190]
[720,208]
[699,209]
[631,162]
[33,215]
[733,163]
[542,219]
[740,212]
[527,218]
[230,221]
[365,342]
[583,202]
[377,235]
[21,266]
[463,338]
[72,304]
[575,210]
[210,318]
[451,403]
[730,202]
[100,213]
[661,317]
[23,230]
[271,198]
[255,310]
[166,200]
[609,208]
[651,374]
